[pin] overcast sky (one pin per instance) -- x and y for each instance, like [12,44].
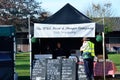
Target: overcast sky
[82,5]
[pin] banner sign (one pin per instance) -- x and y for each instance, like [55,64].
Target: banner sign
[64,30]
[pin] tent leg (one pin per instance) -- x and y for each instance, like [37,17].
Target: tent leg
[104,54]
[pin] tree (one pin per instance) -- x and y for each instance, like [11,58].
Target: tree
[16,12]
[44,15]
[99,11]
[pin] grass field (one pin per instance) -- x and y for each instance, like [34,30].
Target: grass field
[23,64]
[116,59]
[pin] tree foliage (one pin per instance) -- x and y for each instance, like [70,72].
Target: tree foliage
[102,10]
[15,12]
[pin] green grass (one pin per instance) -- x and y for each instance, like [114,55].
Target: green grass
[116,59]
[23,66]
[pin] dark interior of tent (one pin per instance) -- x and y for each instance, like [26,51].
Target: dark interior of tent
[68,44]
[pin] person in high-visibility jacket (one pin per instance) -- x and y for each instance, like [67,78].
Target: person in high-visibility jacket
[88,56]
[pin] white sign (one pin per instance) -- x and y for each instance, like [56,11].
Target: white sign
[64,30]
[38,78]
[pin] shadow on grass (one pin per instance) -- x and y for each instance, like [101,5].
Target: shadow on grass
[22,61]
[25,66]
[21,57]
[24,78]
[117,64]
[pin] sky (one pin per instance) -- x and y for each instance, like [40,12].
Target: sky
[53,6]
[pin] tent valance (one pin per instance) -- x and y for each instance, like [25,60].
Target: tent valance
[64,30]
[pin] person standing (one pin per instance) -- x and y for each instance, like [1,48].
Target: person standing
[48,50]
[88,57]
[59,51]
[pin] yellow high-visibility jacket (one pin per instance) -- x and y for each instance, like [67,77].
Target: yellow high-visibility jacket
[88,46]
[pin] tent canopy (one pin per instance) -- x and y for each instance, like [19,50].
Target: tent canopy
[67,15]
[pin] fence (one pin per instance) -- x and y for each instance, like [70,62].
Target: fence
[113,44]
[22,44]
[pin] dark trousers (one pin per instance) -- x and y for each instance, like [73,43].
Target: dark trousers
[88,64]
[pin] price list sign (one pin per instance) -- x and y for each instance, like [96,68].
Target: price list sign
[39,70]
[53,69]
[68,69]
[81,72]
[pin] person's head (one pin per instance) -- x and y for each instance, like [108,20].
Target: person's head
[58,45]
[85,39]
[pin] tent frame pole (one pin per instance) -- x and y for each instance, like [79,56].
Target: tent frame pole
[29,33]
[14,47]
[104,61]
